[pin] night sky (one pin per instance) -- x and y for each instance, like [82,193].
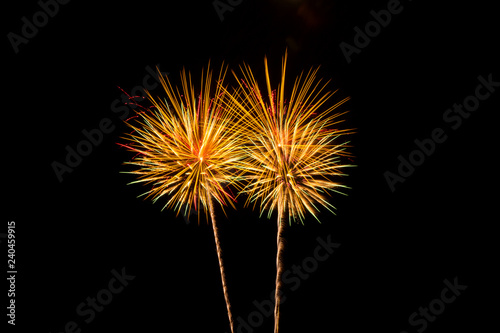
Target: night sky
[424,87]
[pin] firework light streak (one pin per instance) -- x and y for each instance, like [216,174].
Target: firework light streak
[294,150]
[188,151]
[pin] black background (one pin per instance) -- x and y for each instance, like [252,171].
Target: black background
[396,248]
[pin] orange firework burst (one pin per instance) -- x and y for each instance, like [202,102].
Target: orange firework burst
[188,150]
[293,148]
[187,147]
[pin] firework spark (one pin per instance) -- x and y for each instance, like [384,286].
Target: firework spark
[293,148]
[188,151]
[187,148]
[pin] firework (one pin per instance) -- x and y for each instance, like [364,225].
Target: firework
[293,149]
[187,150]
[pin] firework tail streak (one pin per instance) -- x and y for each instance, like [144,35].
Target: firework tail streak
[294,278]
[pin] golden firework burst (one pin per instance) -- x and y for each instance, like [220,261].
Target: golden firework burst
[187,148]
[294,150]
